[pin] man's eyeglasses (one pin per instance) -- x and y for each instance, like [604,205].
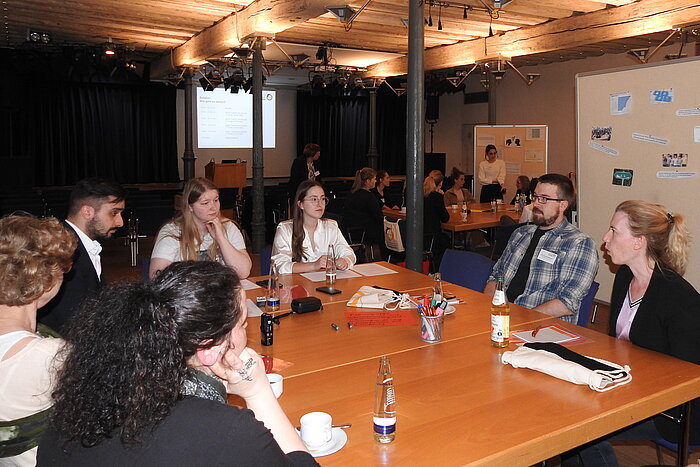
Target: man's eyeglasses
[316,200]
[543,199]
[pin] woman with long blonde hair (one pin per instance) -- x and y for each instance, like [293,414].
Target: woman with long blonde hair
[651,306]
[301,243]
[200,232]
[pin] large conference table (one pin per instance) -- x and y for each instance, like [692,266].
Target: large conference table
[480,217]
[457,403]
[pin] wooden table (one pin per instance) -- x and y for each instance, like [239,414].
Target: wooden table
[457,404]
[475,220]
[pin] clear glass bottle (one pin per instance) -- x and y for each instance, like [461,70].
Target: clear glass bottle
[330,266]
[493,205]
[273,291]
[500,316]
[384,416]
[465,211]
[437,288]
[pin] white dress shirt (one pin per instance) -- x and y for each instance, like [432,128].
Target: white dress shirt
[93,248]
[327,233]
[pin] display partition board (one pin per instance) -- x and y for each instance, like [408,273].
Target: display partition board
[638,137]
[522,147]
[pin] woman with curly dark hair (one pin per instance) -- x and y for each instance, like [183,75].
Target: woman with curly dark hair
[146,378]
[34,255]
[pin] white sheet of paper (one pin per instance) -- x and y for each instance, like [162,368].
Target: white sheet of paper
[249,285]
[253,309]
[320,276]
[372,269]
[546,334]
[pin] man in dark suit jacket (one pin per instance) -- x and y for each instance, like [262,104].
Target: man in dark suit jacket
[94,213]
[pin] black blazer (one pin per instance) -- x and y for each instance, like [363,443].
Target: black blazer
[79,283]
[667,321]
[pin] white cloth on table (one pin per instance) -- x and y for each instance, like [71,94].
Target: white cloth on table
[327,233]
[167,245]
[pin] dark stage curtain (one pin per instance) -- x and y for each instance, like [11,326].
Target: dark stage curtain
[341,126]
[74,130]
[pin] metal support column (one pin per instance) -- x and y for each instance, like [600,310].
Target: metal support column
[372,154]
[258,222]
[415,144]
[188,156]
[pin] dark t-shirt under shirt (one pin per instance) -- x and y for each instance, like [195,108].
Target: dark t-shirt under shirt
[517,285]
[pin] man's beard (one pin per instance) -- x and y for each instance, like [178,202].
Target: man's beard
[541,221]
[96,230]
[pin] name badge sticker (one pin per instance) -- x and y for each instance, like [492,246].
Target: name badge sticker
[547,256]
[317,173]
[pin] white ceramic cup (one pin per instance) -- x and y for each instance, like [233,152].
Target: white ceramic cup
[454,207]
[316,429]
[276,382]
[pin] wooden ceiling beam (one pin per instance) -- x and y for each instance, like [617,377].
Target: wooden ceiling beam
[641,17]
[261,18]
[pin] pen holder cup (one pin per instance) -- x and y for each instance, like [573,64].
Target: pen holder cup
[431,328]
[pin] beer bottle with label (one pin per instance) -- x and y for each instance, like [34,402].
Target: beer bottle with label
[500,316]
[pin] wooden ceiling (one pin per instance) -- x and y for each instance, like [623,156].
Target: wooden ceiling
[187,32]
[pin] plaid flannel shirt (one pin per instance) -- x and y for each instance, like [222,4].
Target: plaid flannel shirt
[567,279]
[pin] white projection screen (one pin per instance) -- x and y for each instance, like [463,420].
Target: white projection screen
[225,119]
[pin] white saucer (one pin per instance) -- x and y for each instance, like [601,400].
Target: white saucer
[450,309]
[338,440]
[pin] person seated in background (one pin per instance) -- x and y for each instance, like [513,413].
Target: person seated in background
[526,215]
[651,306]
[383,181]
[94,213]
[434,214]
[522,187]
[200,232]
[363,212]
[301,243]
[304,168]
[549,265]
[146,378]
[34,256]
[458,194]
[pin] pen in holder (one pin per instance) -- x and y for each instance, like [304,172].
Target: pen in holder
[330,266]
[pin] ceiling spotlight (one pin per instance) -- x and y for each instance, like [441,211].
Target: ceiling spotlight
[532,77]
[299,59]
[485,83]
[247,84]
[130,65]
[211,80]
[343,13]
[242,52]
[640,54]
[38,37]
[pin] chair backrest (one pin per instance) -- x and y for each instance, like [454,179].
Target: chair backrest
[585,311]
[465,268]
[265,255]
[501,237]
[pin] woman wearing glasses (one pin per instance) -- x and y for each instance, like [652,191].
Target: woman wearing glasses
[492,176]
[301,244]
[200,232]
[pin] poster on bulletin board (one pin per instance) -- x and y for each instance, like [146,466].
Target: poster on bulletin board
[638,134]
[522,147]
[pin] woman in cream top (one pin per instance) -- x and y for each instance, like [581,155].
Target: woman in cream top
[492,175]
[301,243]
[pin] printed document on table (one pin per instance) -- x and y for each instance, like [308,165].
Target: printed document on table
[249,285]
[320,276]
[551,333]
[372,269]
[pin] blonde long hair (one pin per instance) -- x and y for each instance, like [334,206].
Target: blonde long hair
[189,237]
[667,235]
[432,182]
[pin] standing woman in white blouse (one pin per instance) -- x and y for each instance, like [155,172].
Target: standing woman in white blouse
[301,243]
[492,176]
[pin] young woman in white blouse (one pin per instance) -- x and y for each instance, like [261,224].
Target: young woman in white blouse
[301,243]
[492,175]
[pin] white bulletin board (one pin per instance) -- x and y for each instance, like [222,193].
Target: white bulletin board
[522,147]
[638,137]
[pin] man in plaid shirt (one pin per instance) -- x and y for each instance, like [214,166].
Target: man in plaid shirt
[549,265]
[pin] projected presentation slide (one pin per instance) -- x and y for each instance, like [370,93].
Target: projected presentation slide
[225,120]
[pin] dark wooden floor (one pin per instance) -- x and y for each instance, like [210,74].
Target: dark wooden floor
[116,263]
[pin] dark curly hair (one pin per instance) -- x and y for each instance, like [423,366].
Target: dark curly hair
[130,347]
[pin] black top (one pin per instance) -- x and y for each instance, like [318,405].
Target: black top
[434,213]
[363,211]
[380,198]
[196,432]
[78,284]
[667,321]
[297,174]
[519,281]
